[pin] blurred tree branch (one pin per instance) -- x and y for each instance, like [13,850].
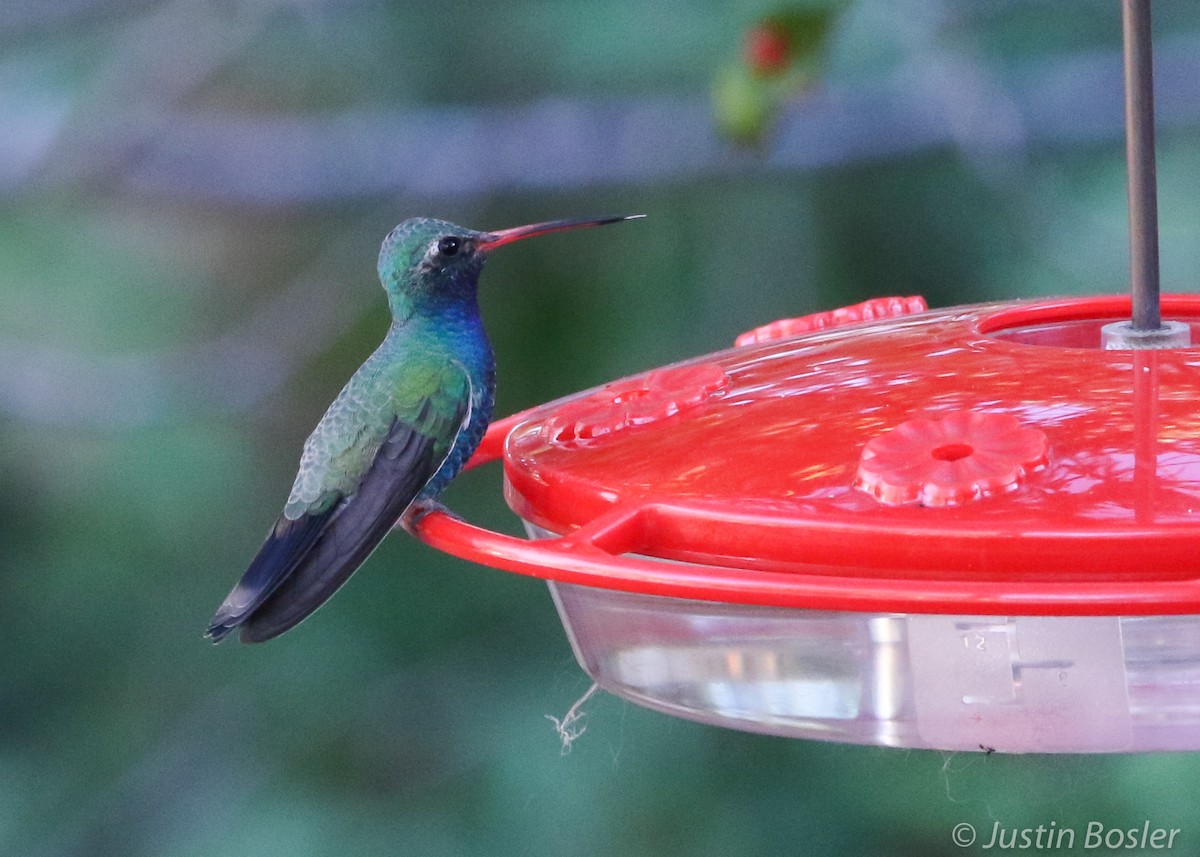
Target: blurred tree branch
[157,149]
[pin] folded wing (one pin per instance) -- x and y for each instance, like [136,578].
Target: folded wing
[304,561]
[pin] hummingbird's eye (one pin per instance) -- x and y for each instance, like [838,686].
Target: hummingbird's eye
[449,245]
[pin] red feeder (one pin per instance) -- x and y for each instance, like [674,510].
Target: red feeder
[958,529]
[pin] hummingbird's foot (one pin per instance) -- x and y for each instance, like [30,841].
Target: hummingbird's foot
[418,510]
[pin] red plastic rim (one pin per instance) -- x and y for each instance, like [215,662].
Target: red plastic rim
[1076,322]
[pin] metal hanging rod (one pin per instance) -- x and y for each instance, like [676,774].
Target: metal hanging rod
[1139,154]
[1146,329]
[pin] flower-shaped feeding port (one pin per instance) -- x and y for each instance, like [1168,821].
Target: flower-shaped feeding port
[950,461]
[636,402]
[876,308]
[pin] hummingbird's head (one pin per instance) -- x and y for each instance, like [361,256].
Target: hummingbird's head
[424,259]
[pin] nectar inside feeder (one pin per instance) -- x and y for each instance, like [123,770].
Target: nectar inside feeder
[972,528]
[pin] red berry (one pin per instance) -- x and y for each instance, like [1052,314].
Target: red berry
[767,49]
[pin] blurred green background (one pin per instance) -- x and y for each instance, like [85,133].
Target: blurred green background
[192,195]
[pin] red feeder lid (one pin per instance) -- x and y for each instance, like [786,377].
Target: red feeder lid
[981,459]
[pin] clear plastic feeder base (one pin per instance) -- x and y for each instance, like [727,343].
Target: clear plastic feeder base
[1023,684]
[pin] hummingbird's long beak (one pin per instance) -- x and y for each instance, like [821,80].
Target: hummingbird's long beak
[506,236]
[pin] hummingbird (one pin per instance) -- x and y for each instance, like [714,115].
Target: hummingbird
[403,426]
